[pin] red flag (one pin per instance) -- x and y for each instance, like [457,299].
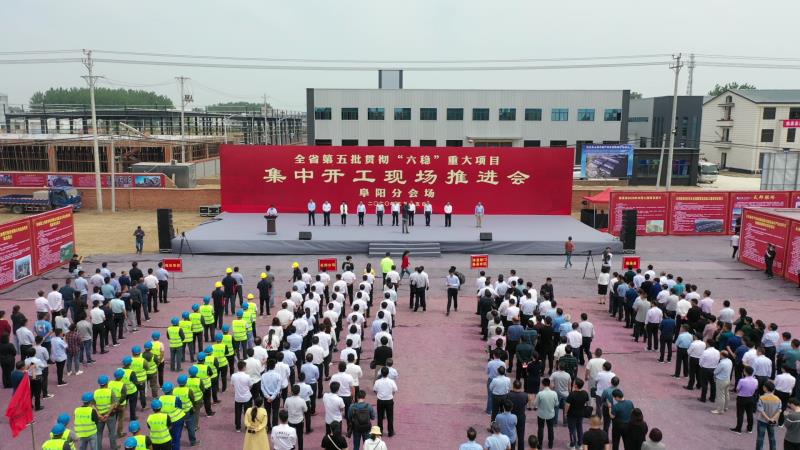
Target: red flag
[20,410]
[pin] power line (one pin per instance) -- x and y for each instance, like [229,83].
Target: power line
[40,52]
[41,61]
[749,65]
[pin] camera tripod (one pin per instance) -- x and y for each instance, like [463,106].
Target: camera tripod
[589,258]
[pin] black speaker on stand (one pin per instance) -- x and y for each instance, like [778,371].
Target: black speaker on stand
[166,232]
[627,234]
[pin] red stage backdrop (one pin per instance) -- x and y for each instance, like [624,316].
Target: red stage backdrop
[653,210]
[793,252]
[16,252]
[756,199]
[759,229]
[698,213]
[506,180]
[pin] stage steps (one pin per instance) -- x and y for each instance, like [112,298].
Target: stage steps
[397,248]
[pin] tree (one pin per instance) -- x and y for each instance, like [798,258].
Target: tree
[237,107]
[103,96]
[635,95]
[728,86]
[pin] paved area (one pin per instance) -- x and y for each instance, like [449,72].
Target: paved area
[441,359]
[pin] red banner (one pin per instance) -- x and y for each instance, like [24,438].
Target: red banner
[631,262]
[329,264]
[698,213]
[795,200]
[173,264]
[505,180]
[16,252]
[792,257]
[652,207]
[758,230]
[479,261]
[755,199]
[791,123]
[54,238]
[80,180]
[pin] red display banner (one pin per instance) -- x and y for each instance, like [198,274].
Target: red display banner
[53,237]
[755,199]
[791,123]
[16,252]
[173,264]
[795,200]
[633,262]
[652,207]
[758,230]
[505,180]
[329,264]
[81,180]
[792,257]
[479,261]
[695,213]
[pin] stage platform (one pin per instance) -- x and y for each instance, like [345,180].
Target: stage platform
[239,233]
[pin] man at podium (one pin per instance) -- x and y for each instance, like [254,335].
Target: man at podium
[272,214]
[272,211]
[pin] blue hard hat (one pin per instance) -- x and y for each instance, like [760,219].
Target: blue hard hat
[209,350]
[87,397]
[148,345]
[136,349]
[156,404]
[102,380]
[185,314]
[182,379]
[63,419]
[175,320]
[245,305]
[218,336]
[155,335]
[239,313]
[134,426]
[201,356]
[58,429]
[206,299]
[225,328]
[195,307]
[167,387]
[119,373]
[131,442]
[126,361]
[193,370]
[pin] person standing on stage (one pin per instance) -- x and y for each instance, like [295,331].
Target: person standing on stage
[395,214]
[406,214]
[361,209]
[479,215]
[379,213]
[428,209]
[569,247]
[412,210]
[312,210]
[343,212]
[326,214]
[448,214]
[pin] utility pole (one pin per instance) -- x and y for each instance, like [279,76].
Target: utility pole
[690,79]
[266,122]
[113,165]
[673,124]
[181,80]
[92,80]
[661,160]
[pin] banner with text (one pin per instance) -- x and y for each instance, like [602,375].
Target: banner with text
[506,180]
[80,180]
[755,199]
[793,252]
[758,230]
[652,207]
[16,252]
[698,213]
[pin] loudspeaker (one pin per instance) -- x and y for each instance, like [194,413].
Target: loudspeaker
[486,236]
[166,232]
[305,236]
[628,232]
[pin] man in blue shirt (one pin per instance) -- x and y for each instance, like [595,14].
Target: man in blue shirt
[311,373]
[682,358]
[507,422]
[497,440]
[630,296]
[667,336]
[513,335]
[471,444]
[271,389]
[491,373]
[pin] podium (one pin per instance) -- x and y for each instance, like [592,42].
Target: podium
[271,226]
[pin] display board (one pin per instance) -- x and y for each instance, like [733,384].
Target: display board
[81,180]
[696,213]
[652,207]
[792,257]
[607,161]
[505,180]
[16,252]
[758,230]
[755,199]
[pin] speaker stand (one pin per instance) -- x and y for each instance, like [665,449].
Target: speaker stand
[184,240]
[589,258]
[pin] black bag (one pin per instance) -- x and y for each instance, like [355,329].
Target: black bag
[461,278]
[361,420]
[588,411]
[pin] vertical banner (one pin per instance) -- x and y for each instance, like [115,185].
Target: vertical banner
[16,252]
[792,257]
[758,230]
[479,261]
[756,199]
[54,237]
[694,213]
[652,207]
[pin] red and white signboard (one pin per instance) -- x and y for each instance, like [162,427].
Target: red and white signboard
[80,180]
[479,261]
[16,252]
[694,213]
[54,237]
[652,207]
[631,262]
[329,264]
[759,229]
[791,123]
[793,252]
[173,264]
[755,199]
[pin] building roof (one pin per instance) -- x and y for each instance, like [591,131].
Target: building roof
[769,95]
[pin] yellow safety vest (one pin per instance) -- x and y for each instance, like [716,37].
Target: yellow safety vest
[182,392]
[174,335]
[84,425]
[202,373]
[158,350]
[65,437]
[210,361]
[248,326]
[54,444]
[195,384]
[141,442]
[186,326]
[168,407]
[239,330]
[102,400]
[197,322]
[219,354]
[129,386]
[116,387]
[207,311]
[138,368]
[159,430]
[227,339]
[152,365]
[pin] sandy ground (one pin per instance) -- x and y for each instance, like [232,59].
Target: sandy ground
[119,228]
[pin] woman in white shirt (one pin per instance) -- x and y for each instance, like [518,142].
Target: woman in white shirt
[343,212]
[602,284]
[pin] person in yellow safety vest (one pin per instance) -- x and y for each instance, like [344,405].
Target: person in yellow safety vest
[68,435]
[57,440]
[140,366]
[207,312]
[252,310]
[204,373]
[187,397]
[188,336]
[117,386]
[131,382]
[219,350]
[172,406]
[197,327]
[158,351]
[248,321]
[140,441]
[151,371]
[105,403]
[239,326]
[175,336]
[86,419]
[227,339]
[195,383]
[159,424]
[213,364]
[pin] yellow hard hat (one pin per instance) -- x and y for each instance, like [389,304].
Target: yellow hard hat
[263,274]
[228,270]
[218,284]
[295,264]
[250,296]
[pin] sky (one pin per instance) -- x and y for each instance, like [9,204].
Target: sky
[407,29]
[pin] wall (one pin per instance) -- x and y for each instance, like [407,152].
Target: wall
[744,124]
[143,199]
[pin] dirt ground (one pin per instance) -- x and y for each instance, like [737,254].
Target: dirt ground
[117,229]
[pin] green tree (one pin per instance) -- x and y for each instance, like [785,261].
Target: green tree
[635,95]
[103,97]
[719,89]
[237,107]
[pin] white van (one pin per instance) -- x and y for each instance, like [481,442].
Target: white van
[707,172]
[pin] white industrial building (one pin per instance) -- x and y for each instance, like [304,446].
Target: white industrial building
[454,118]
[3,110]
[741,125]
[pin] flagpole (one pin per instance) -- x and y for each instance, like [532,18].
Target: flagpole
[33,435]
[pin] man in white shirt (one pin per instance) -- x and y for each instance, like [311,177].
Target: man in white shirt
[652,321]
[284,437]
[448,214]
[253,368]
[42,305]
[395,206]
[151,282]
[412,211]
[385,388]
[334,406]
[98,318]
[587,335]
[345,382]
[326,213]
[695,351]
[784,385]
[296,409]
[726,314]
[708,362]
[97,279]
[242,396]
[427,208]
[55,299]
[593,367]
[312,212]
[379,209]
[706,304]
[361,210]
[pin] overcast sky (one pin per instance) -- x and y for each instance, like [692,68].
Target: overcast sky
[405,29]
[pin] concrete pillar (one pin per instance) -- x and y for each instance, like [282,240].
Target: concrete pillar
[167,153]
[51,158]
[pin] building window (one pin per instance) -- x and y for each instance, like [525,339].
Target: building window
[790,134]
[375,114]
[375,143]
[647,168]
[680,168]
[480,113]
[794,113]
[559,115]
[643,142]
[532,143]
[767,134]
[402,143]
[454,142]
[508,114]
[558,143]
[402,114]
[325,142]
[612,115]
[611,142]
[350,142]
[322,114]
[455,113]
[427,142]
[585,115]
[638,119]
[427,114]
[349,113]
[533,114]
[769,113]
